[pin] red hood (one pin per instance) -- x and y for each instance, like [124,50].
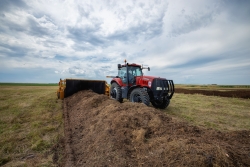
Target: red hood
[150,77]
[146,80]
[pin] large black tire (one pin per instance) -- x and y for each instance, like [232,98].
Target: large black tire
[116,92]
[161,104]
[139,95]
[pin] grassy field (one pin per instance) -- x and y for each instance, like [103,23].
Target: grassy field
[30,125]
[220,113]
[31,121]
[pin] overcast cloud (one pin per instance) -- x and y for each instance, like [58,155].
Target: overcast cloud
[191,42]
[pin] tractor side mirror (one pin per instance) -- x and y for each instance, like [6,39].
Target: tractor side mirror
[148,69]
[119,66]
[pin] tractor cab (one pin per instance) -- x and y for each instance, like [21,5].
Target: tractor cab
[129,73]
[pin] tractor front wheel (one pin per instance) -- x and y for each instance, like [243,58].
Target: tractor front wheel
[161,104]
[139,95]
[116,92]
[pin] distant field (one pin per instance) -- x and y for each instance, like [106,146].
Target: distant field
[31,121]
[28,84]
[213,87]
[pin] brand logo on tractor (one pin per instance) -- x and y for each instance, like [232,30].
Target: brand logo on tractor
[149,83]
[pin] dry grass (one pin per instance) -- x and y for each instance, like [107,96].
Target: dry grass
[211,111]
[30,124]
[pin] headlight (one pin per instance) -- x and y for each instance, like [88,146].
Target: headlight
[158,88]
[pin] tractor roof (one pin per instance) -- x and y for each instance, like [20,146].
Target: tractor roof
[133,64]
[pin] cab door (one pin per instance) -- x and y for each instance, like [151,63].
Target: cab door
[122,73]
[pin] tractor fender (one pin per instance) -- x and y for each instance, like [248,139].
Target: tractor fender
[117,80]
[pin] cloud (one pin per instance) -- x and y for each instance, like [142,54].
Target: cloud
[122,24]
[6,5]
[192,23]
[86,36]
[40,27]
[196,62]
[146,22]
[191,16]
[77,71]
[190,42]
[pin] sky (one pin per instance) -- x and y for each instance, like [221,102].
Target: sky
[189,42]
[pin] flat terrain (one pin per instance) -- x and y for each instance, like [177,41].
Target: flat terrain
[30,125]
[194,130]
[225,92]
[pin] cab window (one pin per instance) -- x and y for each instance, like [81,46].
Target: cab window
[122,72]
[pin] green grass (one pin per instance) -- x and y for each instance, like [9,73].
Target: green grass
[30,124]
[211,111]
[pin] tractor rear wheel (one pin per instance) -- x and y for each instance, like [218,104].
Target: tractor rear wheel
[116,92]
[161,104]
[139,95]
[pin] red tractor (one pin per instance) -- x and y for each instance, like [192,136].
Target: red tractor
[131,84]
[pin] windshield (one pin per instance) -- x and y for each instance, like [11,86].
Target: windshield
[135,71]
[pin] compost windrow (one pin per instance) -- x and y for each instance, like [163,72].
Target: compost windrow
[100,131]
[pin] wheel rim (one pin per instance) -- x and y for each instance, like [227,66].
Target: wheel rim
[137,98]
[113,93]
